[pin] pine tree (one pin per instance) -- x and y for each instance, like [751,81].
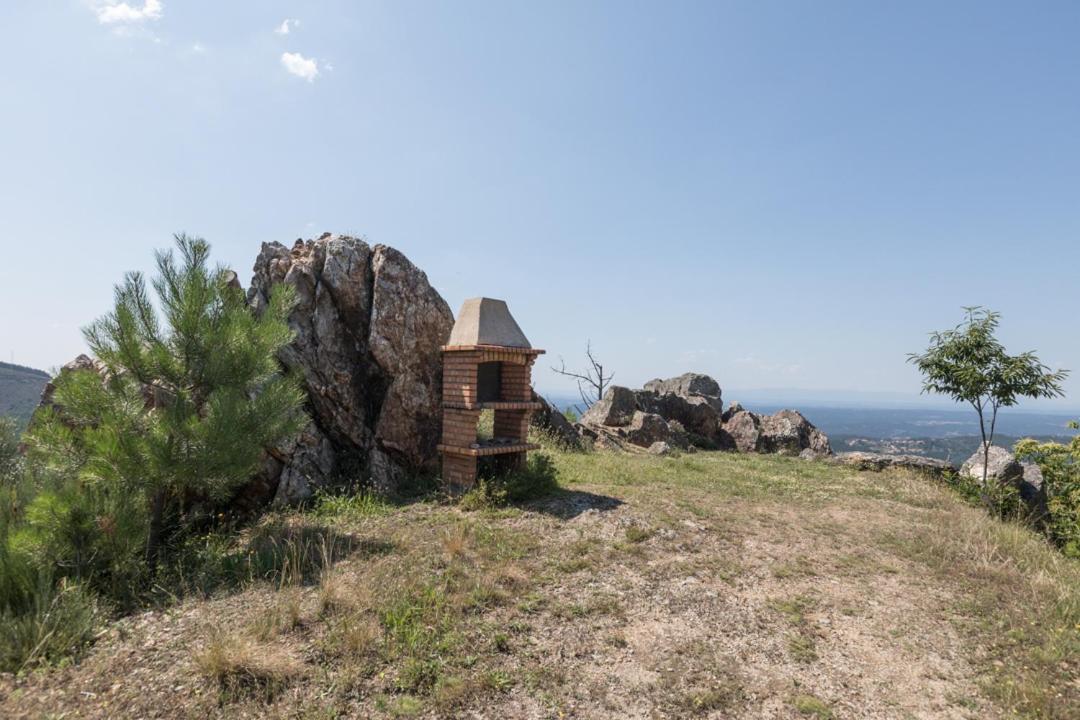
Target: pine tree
[190,394]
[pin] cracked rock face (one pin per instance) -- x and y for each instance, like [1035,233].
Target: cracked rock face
[369,328]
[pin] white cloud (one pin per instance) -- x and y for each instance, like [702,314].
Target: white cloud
[198,48]
[287,25]
[300,66]
[114,13]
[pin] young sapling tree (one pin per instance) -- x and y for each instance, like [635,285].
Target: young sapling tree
[189,395]
[969,364]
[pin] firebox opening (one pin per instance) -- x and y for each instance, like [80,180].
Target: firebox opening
[489,382]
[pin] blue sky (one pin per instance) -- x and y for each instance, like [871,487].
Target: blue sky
[783,195]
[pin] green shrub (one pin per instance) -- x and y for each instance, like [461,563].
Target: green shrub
[185,403]
[1000,499]
[1060,465]
[537,479]
[59,621]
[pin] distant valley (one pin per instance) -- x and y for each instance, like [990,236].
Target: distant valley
[20,390]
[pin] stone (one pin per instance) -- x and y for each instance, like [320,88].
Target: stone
[876,462]
[368,334]
[695,414]
[647,428]
[1003,467]
[744,430]
[660,448]
[615,409]
[690,386]
[788,432]
[1033,492]
[734,407]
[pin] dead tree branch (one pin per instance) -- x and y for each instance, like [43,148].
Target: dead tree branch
[591,382]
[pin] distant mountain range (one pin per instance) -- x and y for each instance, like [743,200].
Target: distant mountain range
[20,390]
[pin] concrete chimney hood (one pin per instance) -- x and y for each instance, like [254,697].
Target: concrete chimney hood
[486,321]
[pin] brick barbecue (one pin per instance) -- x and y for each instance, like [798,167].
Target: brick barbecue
[487,365]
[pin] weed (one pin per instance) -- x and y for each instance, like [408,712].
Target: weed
[802,648]
[799,567]
[794,609]
[812,706]
[349,507]
[638,534]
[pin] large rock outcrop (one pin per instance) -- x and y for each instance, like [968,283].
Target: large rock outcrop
[786,432]
[369,328]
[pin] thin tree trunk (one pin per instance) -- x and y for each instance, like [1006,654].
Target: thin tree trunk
[987,500]
[153,536]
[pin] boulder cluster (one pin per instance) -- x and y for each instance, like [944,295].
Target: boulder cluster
[687,412]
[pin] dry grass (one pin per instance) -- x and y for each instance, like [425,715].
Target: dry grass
[241,668]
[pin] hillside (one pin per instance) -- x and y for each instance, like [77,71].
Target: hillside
[706,585]
[20,390]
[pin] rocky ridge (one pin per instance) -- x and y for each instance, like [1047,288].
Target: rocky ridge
[687,412]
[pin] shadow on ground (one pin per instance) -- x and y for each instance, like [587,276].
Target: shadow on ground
[568,504]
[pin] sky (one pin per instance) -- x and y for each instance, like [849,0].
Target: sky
[784,195]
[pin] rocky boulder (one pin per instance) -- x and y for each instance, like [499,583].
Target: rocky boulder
[648,428]
[615,409]
[1033,492]
[660,448]
[1004,469]
[1001,466]
[369,328]
[694,387]
[79,364]
[787,432]
[744,430]
[696,414]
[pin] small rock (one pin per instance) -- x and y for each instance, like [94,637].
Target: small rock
[660,448]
